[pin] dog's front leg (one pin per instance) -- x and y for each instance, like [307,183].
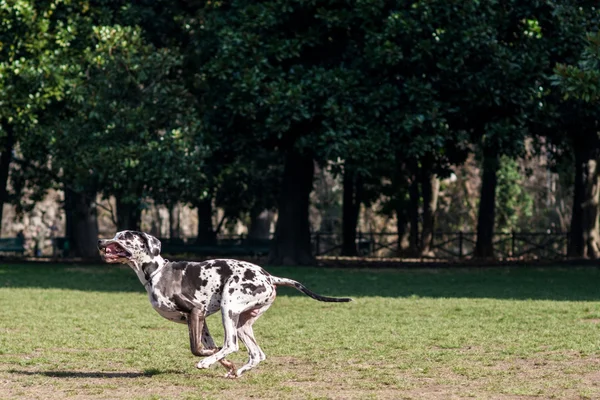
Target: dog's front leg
[200,337]
[230,321]
[196,328]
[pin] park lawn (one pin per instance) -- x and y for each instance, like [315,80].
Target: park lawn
[88,332]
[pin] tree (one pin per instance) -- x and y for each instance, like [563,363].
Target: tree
[580,86]
[30,74]
[129,116]
[421,62]
[285,72]
[569,125]
[517,62]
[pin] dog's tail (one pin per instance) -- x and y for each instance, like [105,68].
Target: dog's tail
[297,285]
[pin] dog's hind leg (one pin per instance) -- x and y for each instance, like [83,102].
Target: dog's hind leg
[246,335]
[201,343]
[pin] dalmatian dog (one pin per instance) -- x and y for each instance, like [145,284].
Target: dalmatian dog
[188,292]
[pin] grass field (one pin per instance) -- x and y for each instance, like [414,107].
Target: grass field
[494,333]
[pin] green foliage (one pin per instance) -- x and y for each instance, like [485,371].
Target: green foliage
[178,101]
[582,81]
[30,68]
[139,123]
[126,112]
[513,203]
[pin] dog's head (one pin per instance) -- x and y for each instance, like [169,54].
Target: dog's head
[129,247]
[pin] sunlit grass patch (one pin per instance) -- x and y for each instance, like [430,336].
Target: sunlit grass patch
[89,332]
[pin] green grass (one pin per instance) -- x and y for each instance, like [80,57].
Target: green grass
[493,333]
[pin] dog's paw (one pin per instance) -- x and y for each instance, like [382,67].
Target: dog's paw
[231,375]
[202,365]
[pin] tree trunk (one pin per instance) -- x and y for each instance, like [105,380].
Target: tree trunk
[413,211]
[484,246]
[400,184]
[575,246]
[430,187]
[260,224]
[584,239]
[129,215]
[81,223]
[156,222]
[403,229]
[174,228]
[352,198]
[206,233]
[591,235]
[5,160]
[291,244]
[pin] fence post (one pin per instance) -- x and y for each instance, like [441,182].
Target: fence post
[460,244]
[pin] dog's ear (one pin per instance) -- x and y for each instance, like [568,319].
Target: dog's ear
[153,244]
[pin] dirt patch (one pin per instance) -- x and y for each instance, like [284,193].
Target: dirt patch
[74,350]
[445,392]
[591,320]
[91,390]
[549,374]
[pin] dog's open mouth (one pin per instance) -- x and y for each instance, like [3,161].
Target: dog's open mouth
[114,251]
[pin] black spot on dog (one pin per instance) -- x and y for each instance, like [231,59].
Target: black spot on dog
[248,286]
[249,275]
[224,271]
[260,289]
[231,290]
[154,246]
[253,289]
[191,280]
[182,303]
[236,279]
[149,268]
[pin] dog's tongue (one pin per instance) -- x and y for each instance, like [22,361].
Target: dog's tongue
[112,248]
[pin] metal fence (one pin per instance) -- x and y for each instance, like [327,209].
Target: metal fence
[451,245]
[445,245]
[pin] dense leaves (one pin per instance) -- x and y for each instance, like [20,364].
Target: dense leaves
[583,80]
[222,103]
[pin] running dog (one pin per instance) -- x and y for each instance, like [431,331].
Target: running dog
[188,292]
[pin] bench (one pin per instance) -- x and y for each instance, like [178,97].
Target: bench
[12,245]
[61,247]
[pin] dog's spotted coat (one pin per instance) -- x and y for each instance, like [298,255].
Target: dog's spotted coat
[188,292]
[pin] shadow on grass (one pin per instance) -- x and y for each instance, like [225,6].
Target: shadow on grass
[537,283]
[88,374]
